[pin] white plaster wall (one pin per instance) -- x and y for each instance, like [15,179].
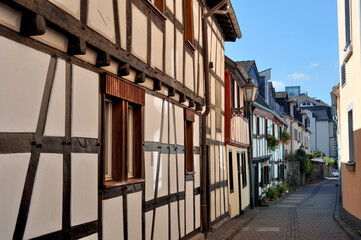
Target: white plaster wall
[201,77]
[179,55]
[161,223]
[53,39]
[148,224]
[189,67]
[197,207]
[323,141]
[90,56]
[163,175]
[181,214]
[152,118]
[165,122]
[189,206]
[84,188]
[217,202]
[45,213]
[212,202]
[173,174]
[169,48]
[113,68]
[179,115]
[122,7]
[179,10]
[21,88]
[101,18]
[170,5]
[196,19]
[85,103]
[139,34]
[113,219]
[174,220]
[149,162]
[91,237]
[135,216]
[10,18]
[197,169]
[13,168]
[70,6]
[55,121]
[156,58]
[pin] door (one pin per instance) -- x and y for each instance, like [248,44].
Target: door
[255,184]
[239,182]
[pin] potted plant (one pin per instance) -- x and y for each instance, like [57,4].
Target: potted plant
[272,142]
[285,137]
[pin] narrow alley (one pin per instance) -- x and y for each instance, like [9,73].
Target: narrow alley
[306,214]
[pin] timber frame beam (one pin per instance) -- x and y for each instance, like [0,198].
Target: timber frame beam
[65,22]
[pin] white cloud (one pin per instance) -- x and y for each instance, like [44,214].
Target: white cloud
[313,64]
[297,75]
[278,85]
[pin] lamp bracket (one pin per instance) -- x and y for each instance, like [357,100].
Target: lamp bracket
[238,111]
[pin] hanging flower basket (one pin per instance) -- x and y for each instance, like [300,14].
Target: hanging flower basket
[285,137]
[272,142]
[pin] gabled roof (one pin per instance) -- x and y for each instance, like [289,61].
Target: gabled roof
[246,65]
[228,22]
[305,98]
[321,113]
[281,94]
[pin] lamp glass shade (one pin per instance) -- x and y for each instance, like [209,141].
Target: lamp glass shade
[249,93]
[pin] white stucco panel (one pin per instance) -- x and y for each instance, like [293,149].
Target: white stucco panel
[113,218]
[161,223]
[10,18]
[13,168]
[135,216]
[156,58]
[170,5]
[90,56]
[84,188]
[148,224]
[53,39]
[181,172]
[55,121]
[70,6]
[113,67]
[197,171]
[46,207]
[101,18]
[179,121]
[173,173]
[179,10]
[91,237]
[174,220]
[122,7]
[189,207]
[21,88]
[189,67]
[169,48]
[139,34]
[152,118]
[179,55]
[149,174]
[163,175]
[85,103]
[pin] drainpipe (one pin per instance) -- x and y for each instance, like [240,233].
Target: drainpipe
[250,156]
[204,162]
[292,135]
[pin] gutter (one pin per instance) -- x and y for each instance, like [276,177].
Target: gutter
[204,163]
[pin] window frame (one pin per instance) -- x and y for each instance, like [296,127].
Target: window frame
[351,137]
[348,24]
[244,169]
[230,169]
[158,7]
[188,24]
[123,95]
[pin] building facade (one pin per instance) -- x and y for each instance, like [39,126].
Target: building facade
[349,110]
[101,118]
[237,139]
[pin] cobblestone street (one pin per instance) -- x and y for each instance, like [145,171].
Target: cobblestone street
[306,214]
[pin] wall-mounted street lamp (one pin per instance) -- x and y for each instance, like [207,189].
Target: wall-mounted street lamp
[249,93]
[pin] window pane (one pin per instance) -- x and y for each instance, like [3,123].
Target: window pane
[108,140]
[130,143]
[231,188]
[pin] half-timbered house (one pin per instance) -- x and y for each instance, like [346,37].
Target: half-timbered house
[237,138]
[101,117]
[267,167]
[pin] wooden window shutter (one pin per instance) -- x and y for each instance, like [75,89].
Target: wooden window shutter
[230,160]
[188,21]
[343,74]
[347,23]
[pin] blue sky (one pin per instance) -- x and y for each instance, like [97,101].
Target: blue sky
[297,39]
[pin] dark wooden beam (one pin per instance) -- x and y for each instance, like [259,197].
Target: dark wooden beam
[76,46]
[157,85]
[140,77]
[32,24]
[103,59]
[199,107]
[182,98]
[191,103]
[171,92]
[124,69]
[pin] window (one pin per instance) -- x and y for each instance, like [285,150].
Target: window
[257,126]
[351,144]
[280,172]
[343,74]
[273,129]
[238,96]
[188,140]
[265,126]
[123,151]
[244,170]
[232,93]
[231,188]
[265,176]
[347,22]
[188,23]
[157,6]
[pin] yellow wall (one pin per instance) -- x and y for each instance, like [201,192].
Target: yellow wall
[350,98]
[233,199]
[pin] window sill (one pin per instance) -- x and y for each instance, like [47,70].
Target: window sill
[348,53]
[112,183]
[351,166]
[190,45]
[155,10]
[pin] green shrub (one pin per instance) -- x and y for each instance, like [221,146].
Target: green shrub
[272,193]
[329,160]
